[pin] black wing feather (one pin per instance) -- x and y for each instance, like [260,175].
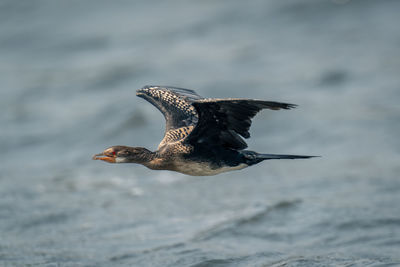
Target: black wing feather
[224,121]
[213,122]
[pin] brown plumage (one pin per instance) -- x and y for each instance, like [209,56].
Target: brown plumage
[203,136]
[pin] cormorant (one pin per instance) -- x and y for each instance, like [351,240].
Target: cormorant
[202,135]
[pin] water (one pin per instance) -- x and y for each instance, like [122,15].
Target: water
[68,74]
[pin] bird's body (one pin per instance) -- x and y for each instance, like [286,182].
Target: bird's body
[202,135]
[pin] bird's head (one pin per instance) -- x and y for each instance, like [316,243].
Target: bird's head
[124,154]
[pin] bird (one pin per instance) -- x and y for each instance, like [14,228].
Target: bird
[203,136]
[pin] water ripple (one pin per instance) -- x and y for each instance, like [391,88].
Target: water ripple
[233,225]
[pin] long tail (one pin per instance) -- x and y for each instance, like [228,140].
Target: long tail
[279,156]
[252,157]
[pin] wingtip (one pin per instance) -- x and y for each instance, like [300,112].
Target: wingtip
[145,90]
[291,106]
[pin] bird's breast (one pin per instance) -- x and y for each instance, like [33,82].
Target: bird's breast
[203,168]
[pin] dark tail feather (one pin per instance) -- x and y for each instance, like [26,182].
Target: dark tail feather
[279,156]
[254,157]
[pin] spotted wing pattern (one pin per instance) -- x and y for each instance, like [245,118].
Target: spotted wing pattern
[176,106]
[222,122]
[205,122]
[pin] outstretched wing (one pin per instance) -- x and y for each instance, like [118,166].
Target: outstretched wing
[205,122]
[223,121]
[176,106]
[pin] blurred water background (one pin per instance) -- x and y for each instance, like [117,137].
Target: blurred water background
[68,75]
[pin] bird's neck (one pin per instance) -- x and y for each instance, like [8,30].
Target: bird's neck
[147,156]
[156,161]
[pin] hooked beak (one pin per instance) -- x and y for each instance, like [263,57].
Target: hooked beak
[105,157]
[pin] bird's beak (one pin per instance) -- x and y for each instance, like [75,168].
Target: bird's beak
[105,157]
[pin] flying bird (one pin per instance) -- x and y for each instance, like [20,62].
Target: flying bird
[203,136]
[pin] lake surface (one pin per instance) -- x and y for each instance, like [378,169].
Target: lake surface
[68,75]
